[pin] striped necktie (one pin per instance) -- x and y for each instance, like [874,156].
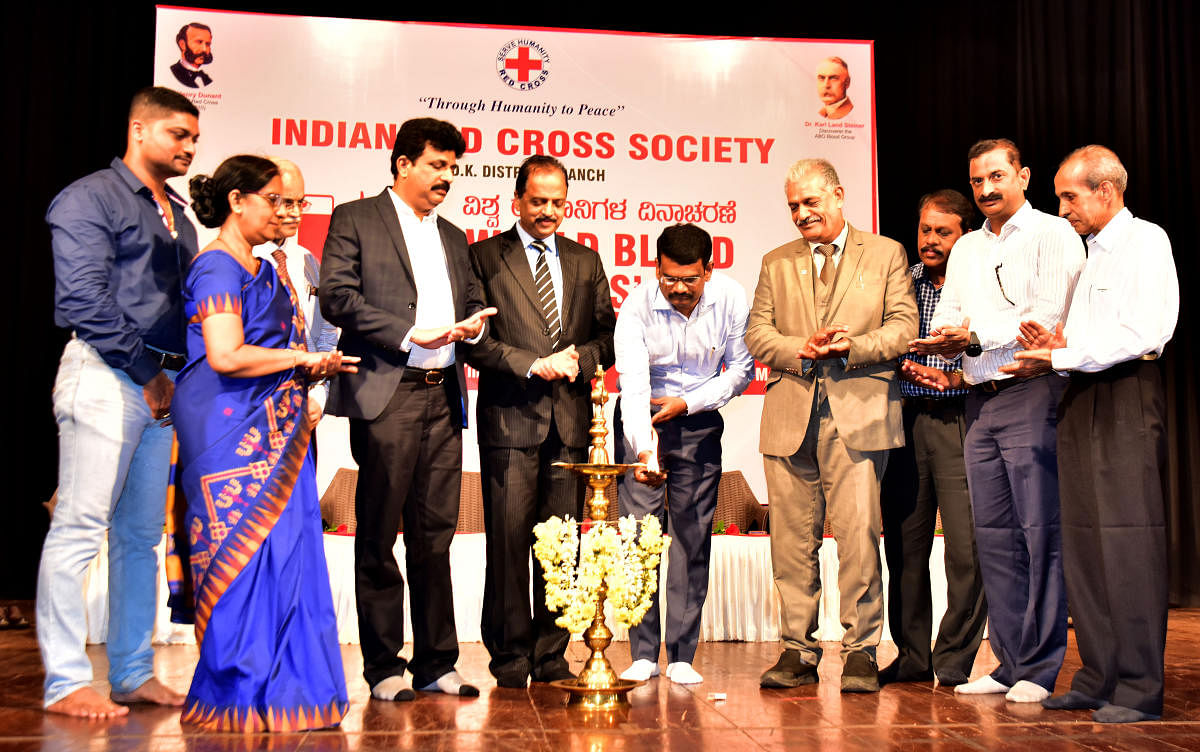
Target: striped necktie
[281,269]
[545,294]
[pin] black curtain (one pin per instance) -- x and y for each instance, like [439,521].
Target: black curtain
[1049,75]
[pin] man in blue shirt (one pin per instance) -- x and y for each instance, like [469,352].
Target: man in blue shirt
[928,474]
[121,247]
[672,338]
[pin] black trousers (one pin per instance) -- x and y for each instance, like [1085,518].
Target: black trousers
[521,489]
[410,469]
[926,474]
[1111,459]
[689,450]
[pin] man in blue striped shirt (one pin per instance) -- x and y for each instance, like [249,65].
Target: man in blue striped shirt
[928,474]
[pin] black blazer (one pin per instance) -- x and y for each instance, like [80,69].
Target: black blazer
[367,288]
[514,411]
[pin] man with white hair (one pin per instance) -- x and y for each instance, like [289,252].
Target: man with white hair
[1111,441]
[833,81]
[831,313]
[299,269]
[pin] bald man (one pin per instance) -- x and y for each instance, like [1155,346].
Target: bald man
[833,81]
[302,269]
[1111,441]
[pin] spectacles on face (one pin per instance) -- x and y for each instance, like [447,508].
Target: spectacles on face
[296,204]
[668,281]
[274,199]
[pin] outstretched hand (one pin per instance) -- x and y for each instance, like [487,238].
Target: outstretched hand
[947,341]
[433,337]
[930,378]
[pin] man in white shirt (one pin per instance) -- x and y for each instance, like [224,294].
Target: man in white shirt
[672,338]
[303,272]
[1112,443]
[1022,265]
[395,278]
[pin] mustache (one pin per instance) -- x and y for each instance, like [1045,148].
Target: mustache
[808,221]
[442,186]
[990,197]
[931,249]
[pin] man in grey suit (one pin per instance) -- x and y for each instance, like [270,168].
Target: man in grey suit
[535,362]
[394,277]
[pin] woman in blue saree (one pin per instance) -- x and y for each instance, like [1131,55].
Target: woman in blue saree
[247,559]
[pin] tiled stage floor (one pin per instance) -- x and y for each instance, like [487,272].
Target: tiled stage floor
[663,715]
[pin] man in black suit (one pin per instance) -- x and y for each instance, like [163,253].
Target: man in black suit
[394,277]
[535,363]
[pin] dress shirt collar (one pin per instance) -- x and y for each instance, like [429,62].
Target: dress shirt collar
[660,302]
[832,108]
[1106,239]
[1020,220]
[137,186]
[839,243]
[264,250]
[526,239]
[406,213]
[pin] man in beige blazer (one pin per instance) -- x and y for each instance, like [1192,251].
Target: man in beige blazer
[831,313]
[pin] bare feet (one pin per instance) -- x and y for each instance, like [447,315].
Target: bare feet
[152,691]
[86,702]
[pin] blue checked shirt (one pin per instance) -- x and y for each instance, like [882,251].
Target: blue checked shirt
[927,300]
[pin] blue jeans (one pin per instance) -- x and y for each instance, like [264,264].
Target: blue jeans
[114,459]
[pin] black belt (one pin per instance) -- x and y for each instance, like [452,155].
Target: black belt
[428,377]
[955,403]
[167,361]
[999,385]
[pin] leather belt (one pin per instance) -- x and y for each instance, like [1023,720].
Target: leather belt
[999,385]
[428,377]
[167,361]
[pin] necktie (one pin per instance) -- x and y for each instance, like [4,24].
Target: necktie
[827,269]
[281,268]
[545,294]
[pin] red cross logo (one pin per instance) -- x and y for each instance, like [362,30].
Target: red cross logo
[522,63]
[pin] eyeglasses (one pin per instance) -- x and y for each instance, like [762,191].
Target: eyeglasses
[1001,283]
[288,204]
[672,281]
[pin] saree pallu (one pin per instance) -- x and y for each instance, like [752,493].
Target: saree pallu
[246,559]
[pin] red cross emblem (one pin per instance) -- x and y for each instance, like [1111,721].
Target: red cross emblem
[522,64]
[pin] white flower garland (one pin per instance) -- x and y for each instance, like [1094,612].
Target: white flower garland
[617,556]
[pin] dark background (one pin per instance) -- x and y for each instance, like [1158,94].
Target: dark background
[1050,75]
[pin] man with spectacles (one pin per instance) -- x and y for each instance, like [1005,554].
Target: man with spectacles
[121,247]
[832,312]
[672,338]
[302,270]
[1023,265]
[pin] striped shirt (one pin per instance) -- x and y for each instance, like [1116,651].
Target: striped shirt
[927,299]
[1026,272]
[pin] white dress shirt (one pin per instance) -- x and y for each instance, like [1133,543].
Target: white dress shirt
[1127,301]
[839,245]
[662,353]
[553,262]
[435,297]
[1026,272]
[305,274]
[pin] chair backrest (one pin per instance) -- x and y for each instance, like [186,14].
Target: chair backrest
[736,503]
[470,504]
[337,505]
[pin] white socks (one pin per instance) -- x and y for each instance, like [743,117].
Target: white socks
[1022,691]
[452,684]
[683,673]
[394,689]
[641,670]
[984,685]
[1027,691]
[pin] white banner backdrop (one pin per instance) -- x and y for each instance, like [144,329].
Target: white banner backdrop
[654,129]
